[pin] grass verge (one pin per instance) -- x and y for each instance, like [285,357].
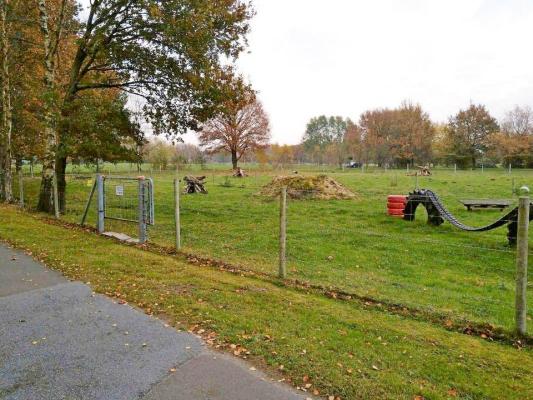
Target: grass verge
[338,348]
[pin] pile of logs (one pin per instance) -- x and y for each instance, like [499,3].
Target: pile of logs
[195,184]
[239,173]
[422,171]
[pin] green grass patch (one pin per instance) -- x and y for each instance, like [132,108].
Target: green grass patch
[342,349]
[351,245]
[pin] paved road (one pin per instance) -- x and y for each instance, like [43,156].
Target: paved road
[58,340]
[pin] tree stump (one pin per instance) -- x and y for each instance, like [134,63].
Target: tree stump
[239,173]
[195,184]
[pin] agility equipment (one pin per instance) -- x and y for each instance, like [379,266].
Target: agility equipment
[396,205]
[437,214]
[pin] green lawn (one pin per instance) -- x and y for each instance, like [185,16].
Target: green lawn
[338,348]
[351,245]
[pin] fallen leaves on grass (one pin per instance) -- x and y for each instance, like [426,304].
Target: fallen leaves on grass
[452,392]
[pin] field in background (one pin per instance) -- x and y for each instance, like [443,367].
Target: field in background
[347,244]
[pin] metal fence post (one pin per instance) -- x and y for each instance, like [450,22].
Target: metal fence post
[21,189]
[521,261]
[101,210]
[177,213]
[142,213]
[283,233]
[56,195]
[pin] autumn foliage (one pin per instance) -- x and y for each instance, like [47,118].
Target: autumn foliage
[241,127]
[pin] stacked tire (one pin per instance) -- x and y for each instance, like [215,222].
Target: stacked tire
[396,205]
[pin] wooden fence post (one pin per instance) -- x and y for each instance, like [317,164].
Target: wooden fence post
[283,233]
[521,261]
[177,213]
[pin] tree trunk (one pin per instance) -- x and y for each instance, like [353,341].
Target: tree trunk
[6,190]
[46,198]
[234,159]
[61,168]
[46,192]
[2,191]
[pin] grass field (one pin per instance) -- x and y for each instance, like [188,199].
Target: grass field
[326,346]
[350,245]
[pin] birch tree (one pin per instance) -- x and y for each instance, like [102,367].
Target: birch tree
[51,42]
[6,193]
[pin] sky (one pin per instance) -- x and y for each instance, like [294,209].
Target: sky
[343,57]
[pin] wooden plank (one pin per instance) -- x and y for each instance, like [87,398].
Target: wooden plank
[486,203]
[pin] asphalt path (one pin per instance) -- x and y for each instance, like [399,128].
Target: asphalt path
[59,340]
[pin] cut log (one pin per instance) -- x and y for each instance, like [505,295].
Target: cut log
[239,173]
[424,171]
[195,184]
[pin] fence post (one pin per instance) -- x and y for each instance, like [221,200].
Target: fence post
[454,168]
[177,213]
[521,261]
[56,195]
[142,214]
[101,211]
[283,233]
[21,189]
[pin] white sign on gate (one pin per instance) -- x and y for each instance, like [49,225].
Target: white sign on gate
[119,190]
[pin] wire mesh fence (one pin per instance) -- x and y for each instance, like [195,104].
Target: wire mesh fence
[350,245]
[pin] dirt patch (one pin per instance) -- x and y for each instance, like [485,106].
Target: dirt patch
[319,187]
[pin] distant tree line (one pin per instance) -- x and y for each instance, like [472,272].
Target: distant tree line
[406,136]
[400,137]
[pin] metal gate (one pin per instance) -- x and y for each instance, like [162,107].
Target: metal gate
[126,199]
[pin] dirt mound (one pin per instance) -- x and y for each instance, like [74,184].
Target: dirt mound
[307,187]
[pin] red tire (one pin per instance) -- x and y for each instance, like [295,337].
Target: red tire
[395,206]
[395,212]
[397,198]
